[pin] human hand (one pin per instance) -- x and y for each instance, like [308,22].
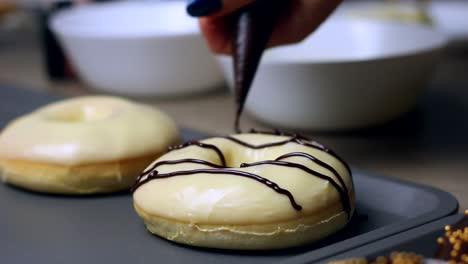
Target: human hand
[297,20]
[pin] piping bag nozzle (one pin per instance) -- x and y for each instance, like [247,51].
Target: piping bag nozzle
[255,23]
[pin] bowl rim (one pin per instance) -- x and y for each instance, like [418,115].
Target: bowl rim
[439,43]
[56,19]
[434,9]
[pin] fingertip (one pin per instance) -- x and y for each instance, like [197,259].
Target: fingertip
[216,34]
[200,8]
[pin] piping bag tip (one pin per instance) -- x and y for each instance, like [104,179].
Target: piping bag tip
[255,23]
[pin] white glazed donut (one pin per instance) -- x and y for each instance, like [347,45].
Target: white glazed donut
[246,191]
[85,145]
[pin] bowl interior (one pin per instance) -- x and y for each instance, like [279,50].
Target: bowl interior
[352,39]
[126,19]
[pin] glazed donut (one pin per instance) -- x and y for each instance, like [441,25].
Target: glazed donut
[94,144]
[246,191]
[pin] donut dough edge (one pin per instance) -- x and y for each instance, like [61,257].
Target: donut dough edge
[286,234]
[102,177]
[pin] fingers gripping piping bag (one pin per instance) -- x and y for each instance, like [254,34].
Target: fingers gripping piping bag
[254,26]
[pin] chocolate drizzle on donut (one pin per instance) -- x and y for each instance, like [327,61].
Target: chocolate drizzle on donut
[317,161]
[229,171]
[300,139]
[202,145]
[340,185]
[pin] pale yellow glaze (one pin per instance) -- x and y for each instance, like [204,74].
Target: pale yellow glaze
[229,200]
[87,130]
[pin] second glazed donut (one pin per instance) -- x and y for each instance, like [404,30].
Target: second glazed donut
[93,144]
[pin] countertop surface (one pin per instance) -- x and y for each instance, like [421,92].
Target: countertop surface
[429,145]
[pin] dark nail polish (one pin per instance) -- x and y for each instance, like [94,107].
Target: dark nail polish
[198,8]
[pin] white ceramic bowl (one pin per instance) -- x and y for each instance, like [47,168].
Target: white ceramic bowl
[447,16]
[450,17]
[137,48]
[403,11]
[349,74]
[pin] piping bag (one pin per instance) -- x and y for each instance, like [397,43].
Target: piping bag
[254,26]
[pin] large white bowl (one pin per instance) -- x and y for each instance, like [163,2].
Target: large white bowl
[349,74]
[137,48]
[447,16]
[450,17]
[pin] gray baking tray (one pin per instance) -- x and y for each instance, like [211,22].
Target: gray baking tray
[421,240]
[105,229]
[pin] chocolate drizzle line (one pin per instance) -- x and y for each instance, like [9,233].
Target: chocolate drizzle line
[312,143]
[295,138]
[187,144]
[202,145]
[341,188]
[172,162]
[317,161]
[229,171]
[344,197]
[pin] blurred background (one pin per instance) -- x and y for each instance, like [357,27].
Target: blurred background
[383,82]
[26,24]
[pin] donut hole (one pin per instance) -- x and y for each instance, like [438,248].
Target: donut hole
[81,113]
[234,160]
[236,155]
